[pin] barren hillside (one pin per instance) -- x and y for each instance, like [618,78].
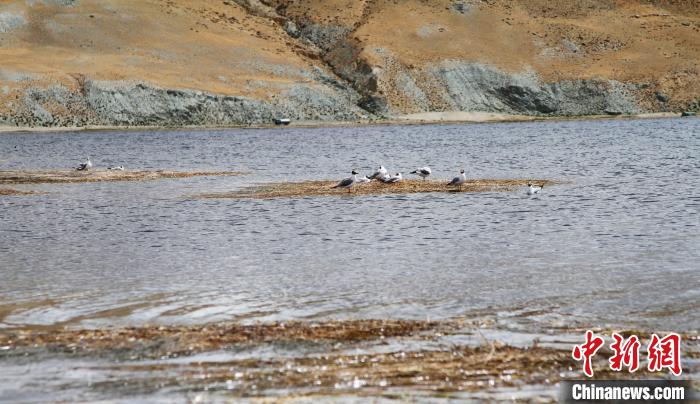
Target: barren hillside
[198,62]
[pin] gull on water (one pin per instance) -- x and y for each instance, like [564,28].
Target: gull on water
[85,166]
[379,174]
[533,189]
[422,172]
[392,179]
[117,168]
[459,180]
[348,182]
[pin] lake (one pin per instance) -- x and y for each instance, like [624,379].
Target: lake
[614,243]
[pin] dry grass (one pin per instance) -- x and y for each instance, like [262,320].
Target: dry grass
[435,372]
[73,176]
[179,340]
[10,191]
[453,369]
[360,357]
[322,188]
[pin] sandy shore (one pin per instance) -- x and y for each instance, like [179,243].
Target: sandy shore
[97,175]
[325,188]
[425,118]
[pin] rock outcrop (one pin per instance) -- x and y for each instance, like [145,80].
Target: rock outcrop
[139,104]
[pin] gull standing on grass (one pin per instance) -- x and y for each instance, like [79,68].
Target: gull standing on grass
[348,182]
[393,179]
[422,172]
[85,166]
[363,180]
[379,174]
[533,189]
[459,180]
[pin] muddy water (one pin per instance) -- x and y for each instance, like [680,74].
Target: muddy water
[613,244]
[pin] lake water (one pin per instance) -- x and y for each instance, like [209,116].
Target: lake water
[615,243]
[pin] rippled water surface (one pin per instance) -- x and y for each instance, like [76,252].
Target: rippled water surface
[617,242]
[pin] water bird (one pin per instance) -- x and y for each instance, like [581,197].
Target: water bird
[363,180]
[347,183]
[422,172]
[117,168]
[459,180]
[392,179]
[384,178]
[379,174]
[85,166]
[533,189]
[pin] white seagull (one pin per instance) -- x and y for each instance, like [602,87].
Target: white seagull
[459,180]
[384,178]
[393,179]
[533,189]
[363,180]
[348,182]
[117,168]
[85,166]
[381,172]
[423,172]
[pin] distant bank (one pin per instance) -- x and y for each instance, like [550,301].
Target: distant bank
[430,118]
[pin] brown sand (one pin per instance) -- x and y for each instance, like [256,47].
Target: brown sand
[322,188]
[72,176]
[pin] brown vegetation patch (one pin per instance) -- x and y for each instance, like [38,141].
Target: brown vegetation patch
[435,372]
[334,358]
[322,188]
[178,340]
[72,176]
[332,371]
[10,191]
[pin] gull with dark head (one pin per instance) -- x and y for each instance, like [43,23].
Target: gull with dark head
[533,189]
[459,180]
[347,183]
[379,174]
[84,166]
[423,172]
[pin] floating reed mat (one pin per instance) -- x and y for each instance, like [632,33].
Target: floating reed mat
[346,356]
[10,191]
[73,176]
[321,188]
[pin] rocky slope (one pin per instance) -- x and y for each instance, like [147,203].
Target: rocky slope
[199,62]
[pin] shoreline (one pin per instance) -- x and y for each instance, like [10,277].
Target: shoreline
[449,358]
[426,118]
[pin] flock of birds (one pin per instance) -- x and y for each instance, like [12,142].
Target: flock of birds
[85,166]
[382,175]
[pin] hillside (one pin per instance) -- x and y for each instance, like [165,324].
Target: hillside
[197,62]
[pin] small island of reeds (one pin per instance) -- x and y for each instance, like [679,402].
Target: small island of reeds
[98,175]
[325,188]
